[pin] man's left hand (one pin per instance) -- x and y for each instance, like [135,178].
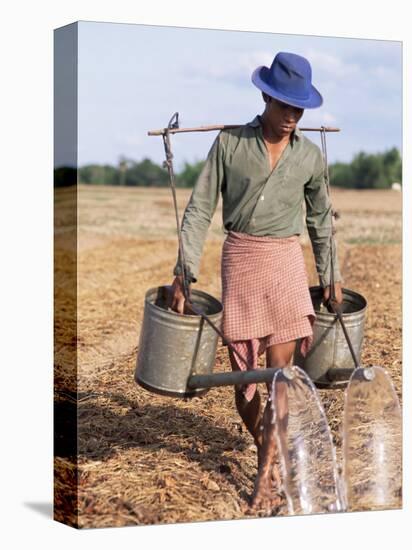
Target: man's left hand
[338,293]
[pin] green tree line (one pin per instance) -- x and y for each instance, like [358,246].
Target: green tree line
[377,171]
[365,171]
[145,173]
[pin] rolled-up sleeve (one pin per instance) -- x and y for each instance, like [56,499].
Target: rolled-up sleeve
[319,223]
[200,209]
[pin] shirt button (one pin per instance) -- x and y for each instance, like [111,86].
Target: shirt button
[262,198]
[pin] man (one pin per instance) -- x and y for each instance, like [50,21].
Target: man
[265,171]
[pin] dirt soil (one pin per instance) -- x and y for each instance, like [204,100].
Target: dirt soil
[150,459]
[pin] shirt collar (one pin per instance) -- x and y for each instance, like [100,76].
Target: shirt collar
[256,122]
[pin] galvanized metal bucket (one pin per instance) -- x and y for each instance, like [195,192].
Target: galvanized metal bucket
[173,347]
[329,362]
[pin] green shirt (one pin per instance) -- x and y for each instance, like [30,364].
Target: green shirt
[259,201]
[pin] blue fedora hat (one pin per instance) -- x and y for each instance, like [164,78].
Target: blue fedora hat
[289,80]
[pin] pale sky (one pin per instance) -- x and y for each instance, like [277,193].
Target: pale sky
[132,78]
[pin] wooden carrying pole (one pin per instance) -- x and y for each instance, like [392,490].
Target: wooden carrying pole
[226,127]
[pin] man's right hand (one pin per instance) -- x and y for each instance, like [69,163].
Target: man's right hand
[177,295]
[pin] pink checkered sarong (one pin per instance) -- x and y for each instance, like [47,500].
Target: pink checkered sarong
[265,296]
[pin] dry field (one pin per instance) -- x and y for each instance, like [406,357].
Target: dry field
[148,459]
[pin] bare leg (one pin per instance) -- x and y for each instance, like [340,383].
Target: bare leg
[249,411]
[277,356]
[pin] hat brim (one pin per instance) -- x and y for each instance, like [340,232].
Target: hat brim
[259,80]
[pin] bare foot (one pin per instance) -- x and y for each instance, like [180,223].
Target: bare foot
[265,497]
[275,473]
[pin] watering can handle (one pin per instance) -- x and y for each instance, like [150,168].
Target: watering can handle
[332,303]
[337,310]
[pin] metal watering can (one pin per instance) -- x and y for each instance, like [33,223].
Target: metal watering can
[173,347]
[329,362]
